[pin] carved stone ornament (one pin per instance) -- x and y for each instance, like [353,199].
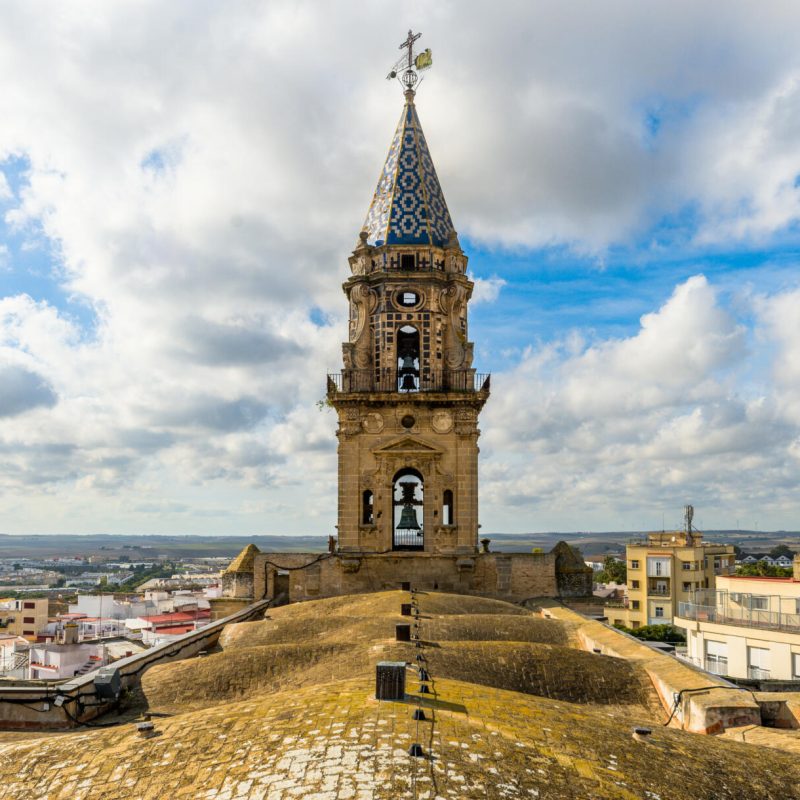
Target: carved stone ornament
[465,421]
[362,303]
[442,422]
[372,422]
[359,264]
[350,421]
[452,301]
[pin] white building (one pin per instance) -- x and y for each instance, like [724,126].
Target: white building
[748,628]
[58,661]
[13,656]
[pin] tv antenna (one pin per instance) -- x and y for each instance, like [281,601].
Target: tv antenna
[407,68]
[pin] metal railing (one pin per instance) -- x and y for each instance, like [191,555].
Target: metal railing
[740,617]
[390,380]
[757,674]
[718,665]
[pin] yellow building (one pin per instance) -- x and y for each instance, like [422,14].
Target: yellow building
[665,569]
[25,617]
[746,628]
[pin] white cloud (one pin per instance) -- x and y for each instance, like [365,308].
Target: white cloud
[486,290]
[5,189]
[202,173]
[630,427]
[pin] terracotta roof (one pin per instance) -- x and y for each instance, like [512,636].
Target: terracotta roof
[176,629]
[176,617]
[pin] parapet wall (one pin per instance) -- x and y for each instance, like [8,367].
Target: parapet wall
[702,702]
[505,576]
[57,705]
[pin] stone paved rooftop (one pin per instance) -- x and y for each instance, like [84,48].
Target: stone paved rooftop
[287,710]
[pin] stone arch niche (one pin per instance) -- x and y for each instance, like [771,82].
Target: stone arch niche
[408,359]
[408,517]
[408,455]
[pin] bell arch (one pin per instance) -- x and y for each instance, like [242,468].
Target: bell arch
[408,495]
[408,359]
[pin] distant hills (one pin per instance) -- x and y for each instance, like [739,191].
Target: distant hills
[186,545]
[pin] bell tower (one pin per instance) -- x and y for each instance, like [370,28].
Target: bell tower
[407,397]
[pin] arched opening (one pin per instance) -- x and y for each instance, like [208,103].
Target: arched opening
[367,505]
[407,520]
[448,515]
[408,359]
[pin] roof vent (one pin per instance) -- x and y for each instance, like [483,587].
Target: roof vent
[146,730]
[390,680]
[415,751]
[402,632]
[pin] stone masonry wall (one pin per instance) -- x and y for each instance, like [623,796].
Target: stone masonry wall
[506,576]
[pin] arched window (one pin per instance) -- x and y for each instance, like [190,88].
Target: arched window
[407,520]
[408,359]
[367,504]
[448,513]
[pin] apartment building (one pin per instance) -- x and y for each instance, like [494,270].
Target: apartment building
[747,628]
[665,569]
[25,617]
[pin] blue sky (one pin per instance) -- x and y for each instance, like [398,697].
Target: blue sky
[182,187]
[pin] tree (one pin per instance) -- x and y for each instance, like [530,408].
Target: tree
[762,570]
[781,550]
[656,633]
[614,571]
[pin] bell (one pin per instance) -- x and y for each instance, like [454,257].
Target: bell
[408,384]
[408,520]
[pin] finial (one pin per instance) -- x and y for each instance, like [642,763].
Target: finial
[407,68]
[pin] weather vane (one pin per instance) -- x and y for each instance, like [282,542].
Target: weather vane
[408,67]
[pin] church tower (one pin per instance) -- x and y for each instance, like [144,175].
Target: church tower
[408,397]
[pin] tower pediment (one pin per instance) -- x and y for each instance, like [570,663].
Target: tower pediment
[407,445]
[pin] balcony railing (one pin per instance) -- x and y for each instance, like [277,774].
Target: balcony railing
[654,592]
[390,380]
[757,674]
[718,665]
[740,617]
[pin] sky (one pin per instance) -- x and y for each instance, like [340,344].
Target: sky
[181,185]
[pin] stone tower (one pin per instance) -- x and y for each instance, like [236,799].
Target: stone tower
[408,398]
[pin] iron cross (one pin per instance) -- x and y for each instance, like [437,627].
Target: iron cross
[409,43]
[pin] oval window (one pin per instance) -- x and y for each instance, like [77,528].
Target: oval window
[408,299]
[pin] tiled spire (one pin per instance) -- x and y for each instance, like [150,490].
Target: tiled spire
[408,206]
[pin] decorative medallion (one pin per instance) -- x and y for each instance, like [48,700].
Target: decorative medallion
[442,422]
[372,422]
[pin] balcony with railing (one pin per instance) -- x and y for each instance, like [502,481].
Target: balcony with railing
[658,588]
[740,616]
[718,665]
[757,674]
[393,380]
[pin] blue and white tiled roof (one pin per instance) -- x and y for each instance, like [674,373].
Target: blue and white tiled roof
[408,206]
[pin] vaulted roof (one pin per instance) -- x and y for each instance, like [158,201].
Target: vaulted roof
[408,206]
